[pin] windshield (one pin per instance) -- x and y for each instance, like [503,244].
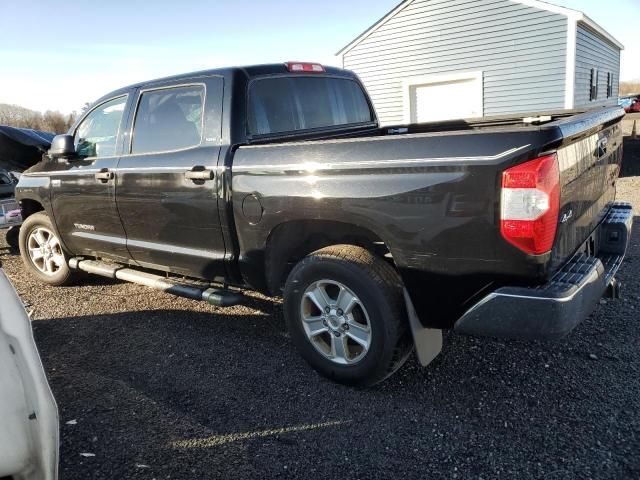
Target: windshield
[289,104]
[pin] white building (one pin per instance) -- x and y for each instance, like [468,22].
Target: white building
[432,60]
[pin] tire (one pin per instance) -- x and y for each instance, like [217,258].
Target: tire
[376,318]
[38,231]
[13,238]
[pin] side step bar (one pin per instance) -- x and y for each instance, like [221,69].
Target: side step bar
[213,296]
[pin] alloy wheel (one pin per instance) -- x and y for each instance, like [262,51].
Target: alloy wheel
[336,322]
[45,251]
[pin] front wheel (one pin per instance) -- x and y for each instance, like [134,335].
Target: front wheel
[42,251]
[345,312]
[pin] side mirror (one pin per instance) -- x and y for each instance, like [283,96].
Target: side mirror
[62,146]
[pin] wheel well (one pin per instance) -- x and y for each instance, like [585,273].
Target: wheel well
[290,242]
[29,207]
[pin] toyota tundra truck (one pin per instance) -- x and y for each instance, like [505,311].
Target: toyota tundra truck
[279,179]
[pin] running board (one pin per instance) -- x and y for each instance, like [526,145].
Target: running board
[213,296]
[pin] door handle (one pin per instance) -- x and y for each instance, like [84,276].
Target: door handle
[200,174]
[104,175]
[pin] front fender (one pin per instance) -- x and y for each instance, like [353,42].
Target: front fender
[35,188]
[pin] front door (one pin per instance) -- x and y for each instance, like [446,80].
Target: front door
[167,186]
[83,187]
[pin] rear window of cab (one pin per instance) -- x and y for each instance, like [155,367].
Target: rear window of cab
[294,103]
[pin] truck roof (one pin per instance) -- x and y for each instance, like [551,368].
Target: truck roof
[248,71]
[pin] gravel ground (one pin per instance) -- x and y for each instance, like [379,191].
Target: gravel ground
[160,387]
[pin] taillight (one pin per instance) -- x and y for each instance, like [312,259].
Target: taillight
[305,67]
[531,204]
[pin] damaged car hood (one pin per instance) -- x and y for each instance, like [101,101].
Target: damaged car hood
[22,148]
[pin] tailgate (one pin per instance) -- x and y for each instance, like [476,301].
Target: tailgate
[590,159]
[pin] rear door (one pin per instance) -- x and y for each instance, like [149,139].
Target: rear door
[167,187]
[83,188]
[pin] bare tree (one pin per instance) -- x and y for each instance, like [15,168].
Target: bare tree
[16,116]
[54,122]
[71,119]
[629,88]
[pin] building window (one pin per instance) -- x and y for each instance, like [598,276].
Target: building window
[593,93]
[609,85]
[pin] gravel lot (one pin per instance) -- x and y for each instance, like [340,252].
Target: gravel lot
[161,387]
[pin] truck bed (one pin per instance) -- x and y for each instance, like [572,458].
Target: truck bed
[431,193]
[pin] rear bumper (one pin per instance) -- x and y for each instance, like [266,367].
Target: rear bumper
[552,310]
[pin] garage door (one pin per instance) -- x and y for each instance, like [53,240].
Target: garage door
[454,98]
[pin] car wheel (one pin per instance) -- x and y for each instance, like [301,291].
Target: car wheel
[42,252]
[346,314]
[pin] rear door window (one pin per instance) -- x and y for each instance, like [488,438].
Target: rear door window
[168,119]
[288,104]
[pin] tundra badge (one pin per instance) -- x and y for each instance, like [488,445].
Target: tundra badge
[81,226]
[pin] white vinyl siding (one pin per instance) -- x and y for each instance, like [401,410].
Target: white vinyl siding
[520,50]
[592,51]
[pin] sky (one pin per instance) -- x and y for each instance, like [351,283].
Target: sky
[60,55]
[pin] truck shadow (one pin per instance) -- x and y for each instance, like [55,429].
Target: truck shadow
[200,364]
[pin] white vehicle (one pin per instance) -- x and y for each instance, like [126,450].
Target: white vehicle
[10,215]
[10,221]
[29,432]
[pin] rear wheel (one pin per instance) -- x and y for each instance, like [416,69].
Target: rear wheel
[346,314]
[42,251]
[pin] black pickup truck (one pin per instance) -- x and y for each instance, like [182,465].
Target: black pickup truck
[279,179]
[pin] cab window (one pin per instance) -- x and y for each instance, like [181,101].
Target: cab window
[288,104]
[168,119]
[97,135]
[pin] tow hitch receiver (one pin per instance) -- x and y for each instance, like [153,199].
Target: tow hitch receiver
[614,290]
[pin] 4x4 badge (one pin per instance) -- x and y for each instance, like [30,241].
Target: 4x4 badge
[565,218]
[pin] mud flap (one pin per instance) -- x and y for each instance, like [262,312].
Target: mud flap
[428,341]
